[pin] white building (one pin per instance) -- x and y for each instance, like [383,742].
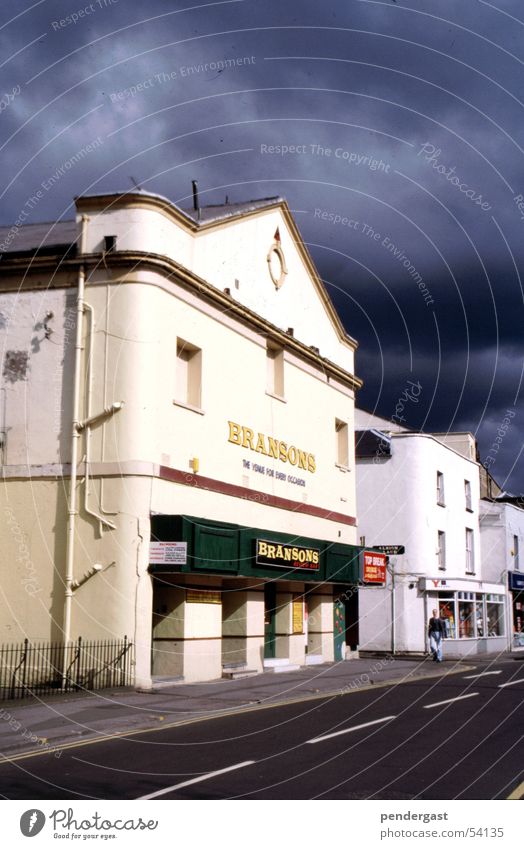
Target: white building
[502,541]
[175,377]
[421,491]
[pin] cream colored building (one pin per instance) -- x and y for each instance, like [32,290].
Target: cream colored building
[179,378]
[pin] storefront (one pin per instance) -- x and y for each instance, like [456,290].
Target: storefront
[516,592]
[226,596]
[473,613]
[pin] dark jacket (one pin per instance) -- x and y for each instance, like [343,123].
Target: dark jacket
[436,626]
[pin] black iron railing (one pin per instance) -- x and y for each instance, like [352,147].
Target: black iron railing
[47,668]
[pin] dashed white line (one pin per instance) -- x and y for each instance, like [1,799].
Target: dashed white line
[450,701]
[348,730]
[509,683]
[481,674]
[196,780]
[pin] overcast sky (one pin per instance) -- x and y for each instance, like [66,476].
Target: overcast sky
[419,103]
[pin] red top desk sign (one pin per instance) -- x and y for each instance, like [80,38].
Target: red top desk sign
[374,571]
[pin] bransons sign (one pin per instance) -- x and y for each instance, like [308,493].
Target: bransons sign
[268,446]
[286,556]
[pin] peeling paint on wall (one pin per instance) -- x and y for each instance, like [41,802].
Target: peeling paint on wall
[16,364]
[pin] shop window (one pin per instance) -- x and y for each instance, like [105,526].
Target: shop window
[516,557]
[466,615]
[342,444]
[480,615]
[470,554]
[467,495]
[495,615]
[441,549]
[188,389]
[440,489]
[447,613]
[275,371]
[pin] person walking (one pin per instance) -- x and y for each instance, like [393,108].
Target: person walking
[436,631]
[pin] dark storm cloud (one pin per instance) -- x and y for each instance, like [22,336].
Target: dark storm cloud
[420,106]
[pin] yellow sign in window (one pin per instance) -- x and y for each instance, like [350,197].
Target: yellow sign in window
[298,615]
[203,597]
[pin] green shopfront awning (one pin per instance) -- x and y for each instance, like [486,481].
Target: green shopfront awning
[218,548]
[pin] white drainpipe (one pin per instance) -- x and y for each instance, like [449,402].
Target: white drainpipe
[75,437]
[90,420]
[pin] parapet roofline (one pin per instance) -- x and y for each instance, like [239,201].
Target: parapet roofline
[423,435]
[209,215]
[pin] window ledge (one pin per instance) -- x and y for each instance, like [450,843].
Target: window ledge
[188,407]
[342,468]
[462,639]
[276,397]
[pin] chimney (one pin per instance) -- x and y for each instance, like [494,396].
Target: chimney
[196,205]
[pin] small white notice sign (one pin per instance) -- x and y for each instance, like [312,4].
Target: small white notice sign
[168,552]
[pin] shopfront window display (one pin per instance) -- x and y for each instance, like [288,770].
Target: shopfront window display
[470,615]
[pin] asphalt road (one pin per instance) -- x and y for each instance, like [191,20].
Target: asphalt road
[458,737]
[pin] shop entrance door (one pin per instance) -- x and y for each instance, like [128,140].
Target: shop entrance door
[351,605]
[270,603]
[339,629]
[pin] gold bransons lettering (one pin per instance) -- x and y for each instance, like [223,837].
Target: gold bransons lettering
[283,553]
[271,447]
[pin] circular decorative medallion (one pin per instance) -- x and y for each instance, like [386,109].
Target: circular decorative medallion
[276,262]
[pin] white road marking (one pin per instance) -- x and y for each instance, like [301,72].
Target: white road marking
[196,780]
[480,674]
[450,701]
[509,683]
[347,730]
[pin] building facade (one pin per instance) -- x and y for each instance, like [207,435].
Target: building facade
[502,540]
[177,438]
[421,491]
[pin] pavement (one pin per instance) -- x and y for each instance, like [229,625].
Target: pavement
[58,722]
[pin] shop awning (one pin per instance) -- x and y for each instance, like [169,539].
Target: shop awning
[220,548]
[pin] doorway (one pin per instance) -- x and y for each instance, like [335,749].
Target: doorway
[339,629]
[270,603]
[351,611]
